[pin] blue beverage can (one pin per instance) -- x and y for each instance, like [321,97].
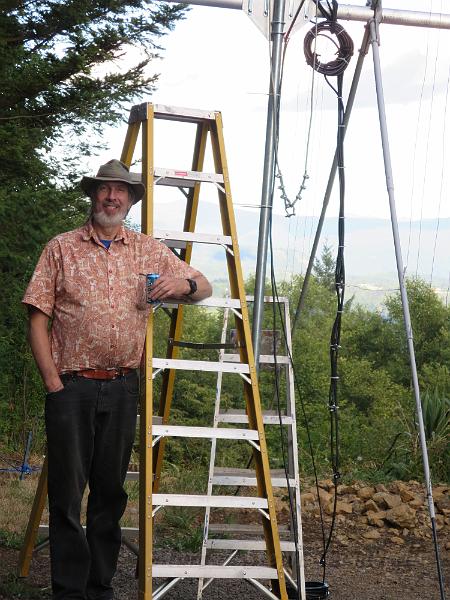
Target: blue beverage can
[151,278]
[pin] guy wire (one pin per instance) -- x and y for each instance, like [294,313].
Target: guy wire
[416,139]
[444,132]
[425,168]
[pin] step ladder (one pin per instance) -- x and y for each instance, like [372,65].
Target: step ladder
[208,125]
[248,537]
[153,435]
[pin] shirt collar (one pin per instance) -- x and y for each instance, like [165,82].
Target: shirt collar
[88,232]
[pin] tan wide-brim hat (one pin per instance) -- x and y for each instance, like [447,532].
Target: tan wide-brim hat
[114,170]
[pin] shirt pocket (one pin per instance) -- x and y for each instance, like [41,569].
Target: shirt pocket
[78,291]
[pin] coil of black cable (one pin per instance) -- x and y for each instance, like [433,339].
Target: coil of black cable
[344,45]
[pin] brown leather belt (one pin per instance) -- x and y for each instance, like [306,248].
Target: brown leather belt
[101,374]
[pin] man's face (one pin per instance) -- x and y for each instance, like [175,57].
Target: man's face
[112,203]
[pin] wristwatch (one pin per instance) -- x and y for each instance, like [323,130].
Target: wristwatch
[193,285]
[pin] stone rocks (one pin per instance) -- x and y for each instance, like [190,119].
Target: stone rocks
[347,489]
[365,493]
[326,484]
[401,516]
[380,487]
[371,506]
[376,518]
[342,508]
[386,500]
[417,502]
[308,498]
[441,492]
[325,497]
[443,504]
[371,534]
[397,540]
[396,510]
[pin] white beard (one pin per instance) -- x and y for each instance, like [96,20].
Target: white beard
[105,220]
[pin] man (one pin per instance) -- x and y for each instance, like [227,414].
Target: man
[89,282]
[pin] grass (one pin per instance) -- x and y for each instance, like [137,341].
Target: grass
[15,587]
[180,528]
[16,498]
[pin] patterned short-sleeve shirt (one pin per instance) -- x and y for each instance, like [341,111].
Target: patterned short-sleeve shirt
[96,297]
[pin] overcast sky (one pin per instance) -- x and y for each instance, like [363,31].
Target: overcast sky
[218,59]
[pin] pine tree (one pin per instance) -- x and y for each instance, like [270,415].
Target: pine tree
[62,82]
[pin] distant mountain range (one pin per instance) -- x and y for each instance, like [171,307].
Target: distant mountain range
[371,270]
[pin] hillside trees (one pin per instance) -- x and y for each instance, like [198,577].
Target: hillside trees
[377,415]
[61,83]
[378,339]
[381,337]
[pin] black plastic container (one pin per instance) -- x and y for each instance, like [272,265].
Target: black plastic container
[316,590]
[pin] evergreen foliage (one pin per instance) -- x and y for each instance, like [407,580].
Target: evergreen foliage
[61,84]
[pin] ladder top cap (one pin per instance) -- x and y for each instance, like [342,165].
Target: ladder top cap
[139,112]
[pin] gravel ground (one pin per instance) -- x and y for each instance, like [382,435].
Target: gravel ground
[363,570]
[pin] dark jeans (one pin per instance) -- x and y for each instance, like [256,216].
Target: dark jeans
[90,432]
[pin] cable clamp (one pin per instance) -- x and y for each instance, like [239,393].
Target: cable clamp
[336,476]
[335,377]
[333,408]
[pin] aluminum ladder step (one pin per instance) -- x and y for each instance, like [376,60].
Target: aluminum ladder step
[238,415]
[195,500]
[204,432]
[179,239]
[212,302]
[186,179]
[263,359]
[259,545]
[247,477]
[186,115]
[139,113]
[244,529]
[214,571]
[199,365]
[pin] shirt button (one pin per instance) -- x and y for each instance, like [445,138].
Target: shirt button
[113,326]
[110,271]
